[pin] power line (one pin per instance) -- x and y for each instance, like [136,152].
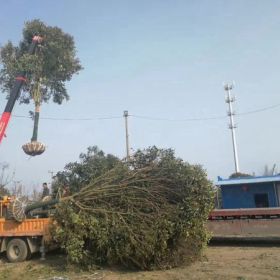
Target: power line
[259,110]
[154,118]
[177,120]
[71,119]
[206,118]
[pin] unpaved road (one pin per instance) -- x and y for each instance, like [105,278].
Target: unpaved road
[219,262]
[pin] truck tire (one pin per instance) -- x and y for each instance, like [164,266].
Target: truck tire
[17,250]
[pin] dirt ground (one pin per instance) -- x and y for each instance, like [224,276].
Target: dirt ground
[218,262]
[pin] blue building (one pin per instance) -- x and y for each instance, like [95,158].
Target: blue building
[250,192]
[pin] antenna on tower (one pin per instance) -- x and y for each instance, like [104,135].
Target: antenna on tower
[232,126]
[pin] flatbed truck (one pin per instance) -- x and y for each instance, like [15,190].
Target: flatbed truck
[19,240]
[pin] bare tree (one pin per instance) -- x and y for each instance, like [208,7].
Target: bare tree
[36,195]
[17,189]
[269,171]
[5,178]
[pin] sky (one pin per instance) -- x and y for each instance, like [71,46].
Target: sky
[161,60]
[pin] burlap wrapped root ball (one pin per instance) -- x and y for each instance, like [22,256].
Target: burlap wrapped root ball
[146,217]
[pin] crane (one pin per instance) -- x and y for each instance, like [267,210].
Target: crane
[15,92]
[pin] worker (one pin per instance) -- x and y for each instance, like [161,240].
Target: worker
[46,191]
[65,191]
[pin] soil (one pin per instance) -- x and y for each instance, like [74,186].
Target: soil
[218,262]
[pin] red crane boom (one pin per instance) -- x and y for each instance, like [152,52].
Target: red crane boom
[19,81]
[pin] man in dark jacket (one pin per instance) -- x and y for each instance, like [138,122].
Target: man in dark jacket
[46,191]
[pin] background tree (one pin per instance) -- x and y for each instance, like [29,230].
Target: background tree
[5,178]
[269,171]
[144,157]
[239,175]
[47,70]
[91,164]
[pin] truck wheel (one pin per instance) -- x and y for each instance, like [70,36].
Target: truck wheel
[17,250]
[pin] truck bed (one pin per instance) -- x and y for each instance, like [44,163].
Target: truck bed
[29,227]
[253,223]
[253,213]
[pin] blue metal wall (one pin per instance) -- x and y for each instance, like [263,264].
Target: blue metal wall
[242,196]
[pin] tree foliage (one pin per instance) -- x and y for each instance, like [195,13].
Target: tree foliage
[149,213]
[91,165]
[53,64]
[239,175]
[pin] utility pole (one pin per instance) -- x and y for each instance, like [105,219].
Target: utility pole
[125,114]
[232,126]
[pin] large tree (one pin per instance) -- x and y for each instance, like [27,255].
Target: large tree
[148,213]
[53,63]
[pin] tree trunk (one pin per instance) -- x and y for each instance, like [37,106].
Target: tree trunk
[36,123]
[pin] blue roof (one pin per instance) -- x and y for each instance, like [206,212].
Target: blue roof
[247,180]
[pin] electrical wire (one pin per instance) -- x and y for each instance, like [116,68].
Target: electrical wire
[259,110]
[207,118]
[155,118]
[71,119]
[178,120]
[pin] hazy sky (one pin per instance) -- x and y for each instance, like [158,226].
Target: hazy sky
[161,59]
